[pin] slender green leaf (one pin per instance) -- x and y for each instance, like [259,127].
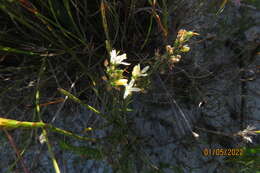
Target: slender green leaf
[92,153]
[74,98]
[13,50]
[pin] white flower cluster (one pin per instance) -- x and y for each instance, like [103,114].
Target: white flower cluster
[172,55]
[117,77]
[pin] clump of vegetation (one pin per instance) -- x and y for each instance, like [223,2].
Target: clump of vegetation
[50,49]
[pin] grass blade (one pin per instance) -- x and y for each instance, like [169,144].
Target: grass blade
[12,50]
[77,100]
[92,153]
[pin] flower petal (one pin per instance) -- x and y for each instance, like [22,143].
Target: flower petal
[125,63]
[145,69]
[135,89]
[136,70]
[113,56]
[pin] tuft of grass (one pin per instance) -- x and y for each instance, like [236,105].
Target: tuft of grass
[45,45]
[52,49]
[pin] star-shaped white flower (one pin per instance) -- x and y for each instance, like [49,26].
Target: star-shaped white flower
[117,59]
[129,89]
[247,133]
[137,72]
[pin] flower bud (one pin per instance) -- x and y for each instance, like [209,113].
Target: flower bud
[169,49]
[175,58]
[121,82]
[185,48]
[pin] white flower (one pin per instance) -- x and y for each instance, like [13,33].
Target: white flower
[137,72]
[247,133]
[129,89]
[117,59]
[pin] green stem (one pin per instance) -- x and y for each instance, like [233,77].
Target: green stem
[54,161]
[70,134]
[13,124]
